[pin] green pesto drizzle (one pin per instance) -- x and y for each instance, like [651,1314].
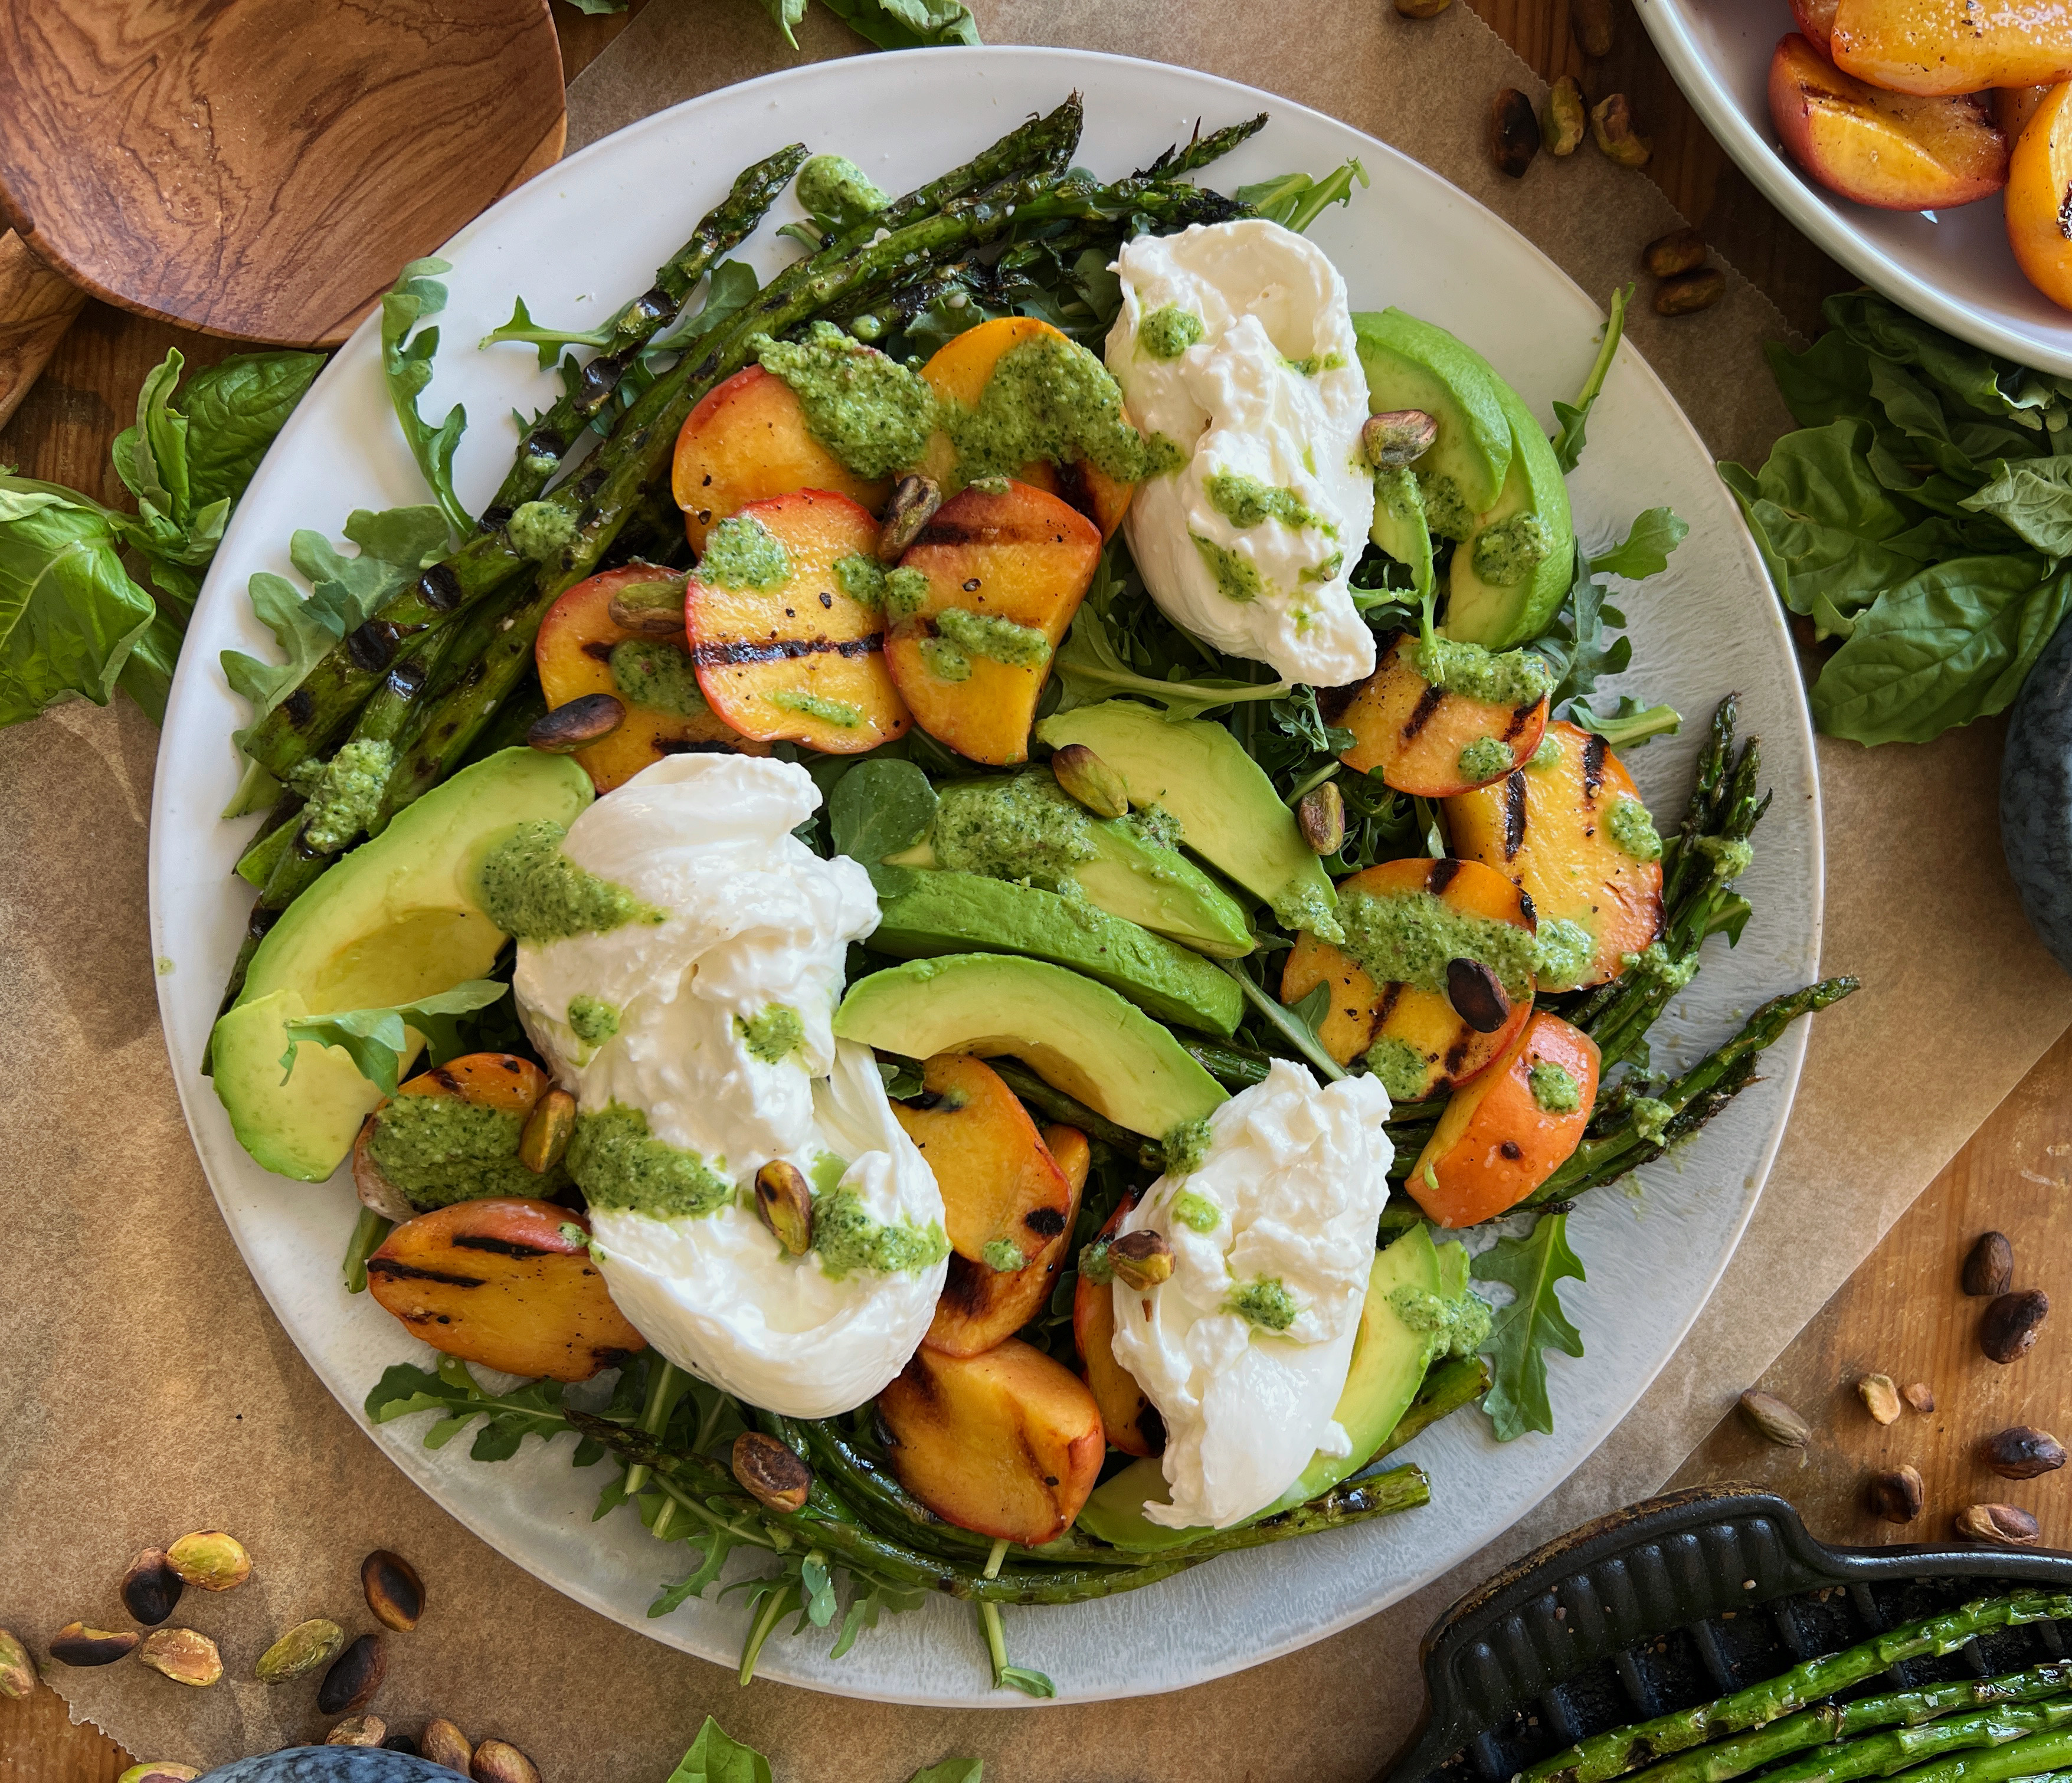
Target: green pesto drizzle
[1510,551]
[622,1167]
[861,579]
[1406,937]
[1446,510]
[593,1019]
[1168,332]
[648,672]
[1265,1303]
[771,1034]
[989,635]
[849,1239]
[1562,952]
[838,712]
[1195,1212]
[741,552]
[868,409]
[1048,398]
[1403,1071]
[439,1149]
[1021,827]
[533,892]
[1634,830]
[1483,760]
[1246,502]
[945,661]
[906,593]
[1185,1146]
[1514,678]
[1003,1257]
[347,794]
[1553,1089]
[1237,578]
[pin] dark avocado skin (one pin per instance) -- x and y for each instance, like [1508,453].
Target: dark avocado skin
[2036,797]
[330,1764]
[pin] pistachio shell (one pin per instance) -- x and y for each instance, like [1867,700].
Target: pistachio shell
[77,1645]
[770,1472]
[496,1762]
[358,1730]
[1084,776]
[182,1655]
[394,1592]
[354,1677]
[150,1588]
[443,1743]
[158,1770]
[211,1559]
[300,1651]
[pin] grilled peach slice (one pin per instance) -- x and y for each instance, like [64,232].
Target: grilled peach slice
[1003,1192]
[1938,46]
[959,373]
[2013,108]
[783,651]
[748,441]
[2039,178]
[1503,1135]
[1005,573]
[981,1306]
[1006,1444]
[1421,737]
[1131,1420]
[484,1159]
[1414,1038]
[1546,828]
[574,650]
[1816,20]
[1893,150]
[502,1283]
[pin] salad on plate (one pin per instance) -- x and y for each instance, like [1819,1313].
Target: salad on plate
[981,928]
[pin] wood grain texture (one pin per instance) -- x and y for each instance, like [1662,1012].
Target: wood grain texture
[233,165]
[36,307]
[40,1744]
[1902,1314]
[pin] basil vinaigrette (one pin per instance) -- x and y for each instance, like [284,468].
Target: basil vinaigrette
[438,1149]
[648,672]
[622,1167]
[533,892]
[741,552]
[849,1239]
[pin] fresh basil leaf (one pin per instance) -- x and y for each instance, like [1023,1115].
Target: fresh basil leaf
[1830,381]
[1652,536]
[233,411]
[2033,498]
[598,8]
[715,1758]
[877,808]
[70,616]
[784,14]
[952,1770]
[1947,646]
[1630,724]
[377,1039]
[1533,1268]
[907,24]
[407,352]
[1575,417]
[151,456]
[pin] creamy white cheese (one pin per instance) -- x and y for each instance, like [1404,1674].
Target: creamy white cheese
[1290,1192]
[1271,391]
[757,927]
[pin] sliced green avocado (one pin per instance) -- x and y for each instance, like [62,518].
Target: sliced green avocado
[1493,615]
[1388,1364]
[1227,810]
[942,913]
[1399,526]
[395,920]
[1413,365]
[1078,1035]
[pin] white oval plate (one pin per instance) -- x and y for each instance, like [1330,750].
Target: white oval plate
[586,236]
[1953,267]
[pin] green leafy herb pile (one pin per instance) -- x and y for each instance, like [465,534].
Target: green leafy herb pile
[715,1758]
[75,623]
[888,24]
[1922,515]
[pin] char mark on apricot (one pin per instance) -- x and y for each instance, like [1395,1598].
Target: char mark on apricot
[1428,704]
[1441,874]
[445,1080]
[963,1288]
[1045,1222]
[784,649]
[1520,718]
[388,1270]
[1513,814]
[1594,767]
[502,1247]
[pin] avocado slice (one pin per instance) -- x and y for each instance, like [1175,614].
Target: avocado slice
[1130,875]
[942,913]
[1078,1035]
[1390,1358]
[1413,365]
[395,920]
[1500,616]
[1227,810]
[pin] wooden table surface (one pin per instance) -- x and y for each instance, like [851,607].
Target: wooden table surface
[1901,1314]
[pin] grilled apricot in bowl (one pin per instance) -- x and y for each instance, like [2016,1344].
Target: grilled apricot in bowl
[1420,739]
[981,1306]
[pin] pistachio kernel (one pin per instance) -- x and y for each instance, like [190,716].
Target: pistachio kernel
[210,1559]
[300,1651]
[1920,1395]
[915,500]
[546,1134]
[1590,24]
[160,1770]
[1775,1421]
[77,1645]
[1611,124]
[1397,437]
[786,1205]
[770,1472]
[18,1677]
[1998,1526]
[182,1655]
[358,1730]
[577,723]
[442,1742]
[1514,132]
[354,1677]
[1897,1496]
[1568,119]
[497,1761]
[650,609]
[1320,814]
[1688,292]
[1881,1397]
[2022,1453]
[1141,1259]
[1680,251]
[1084,776]
[151,1588]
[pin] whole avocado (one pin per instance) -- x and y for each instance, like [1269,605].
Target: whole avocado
[2036,797]
[330,1764]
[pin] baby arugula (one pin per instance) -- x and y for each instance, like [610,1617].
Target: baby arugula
[715,1758]
[376,1039]
[1532,1267]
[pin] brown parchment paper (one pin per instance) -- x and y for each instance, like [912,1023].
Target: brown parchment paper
[145,1389]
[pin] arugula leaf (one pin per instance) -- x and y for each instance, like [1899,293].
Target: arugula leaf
[1574,417]
[1089,669]
[907,24]
[1630,724]
[377,1039]
[1649,542]
[69,615]
[730,289]
[550,341]
[406,361]
[1533,1268]
[877,808]
[1296,200]
[1948,645]
[533,1410]
[715,1758]
[1574,641]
